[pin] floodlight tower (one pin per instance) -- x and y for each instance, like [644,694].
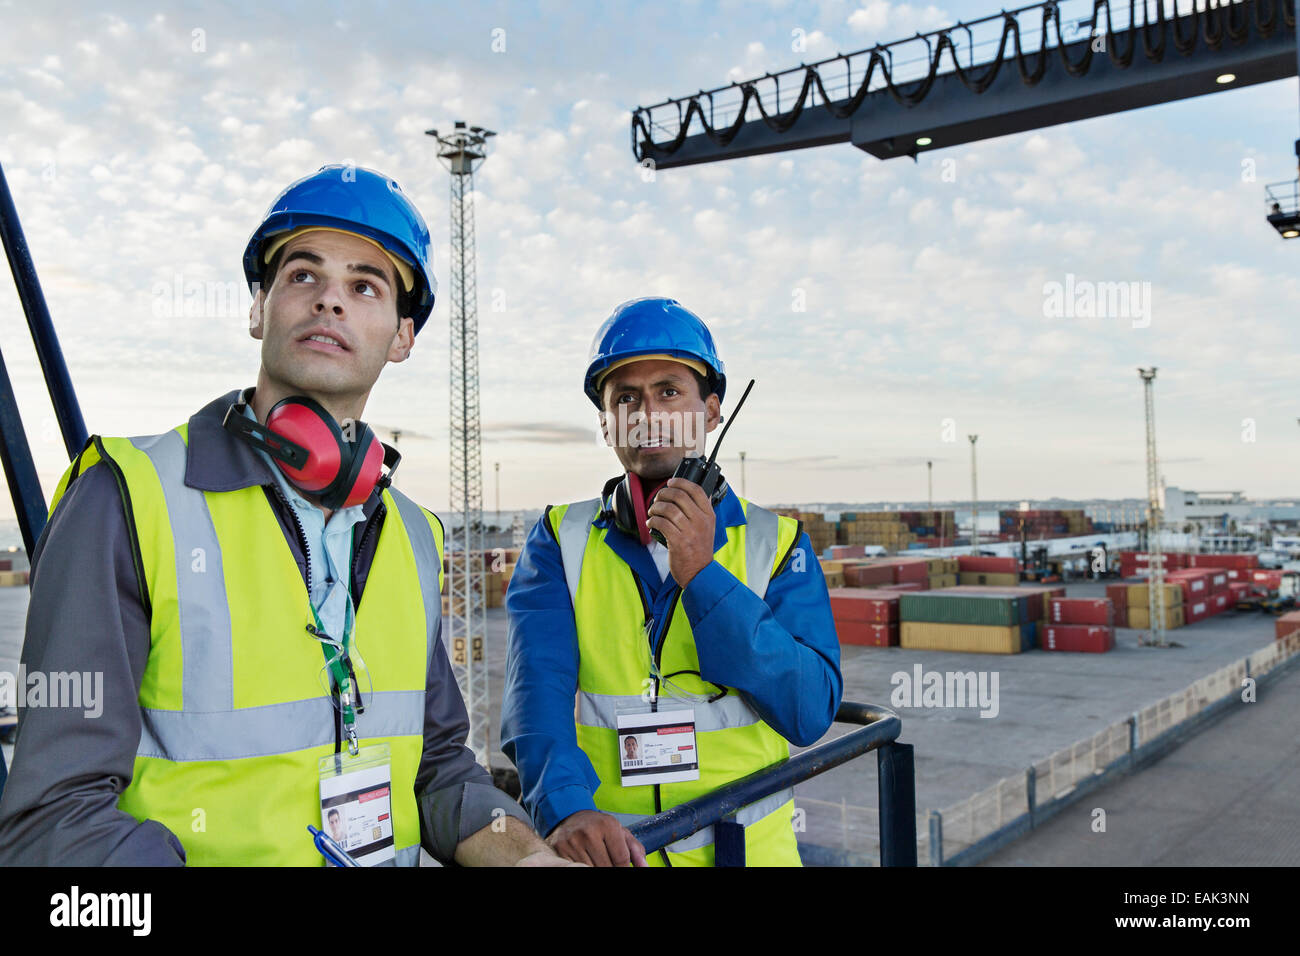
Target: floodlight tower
[461,152]
[974,500]
[1155,554]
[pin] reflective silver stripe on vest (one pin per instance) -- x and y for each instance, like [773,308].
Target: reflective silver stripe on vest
[207,676]
[746,816]
[732,711]
[427,563]
[761,542]
[408,856]
[182,735]
[575,528]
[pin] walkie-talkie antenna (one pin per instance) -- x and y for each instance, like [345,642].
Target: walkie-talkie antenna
[718,443]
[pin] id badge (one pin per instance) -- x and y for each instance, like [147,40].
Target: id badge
[657,747]
[356,803]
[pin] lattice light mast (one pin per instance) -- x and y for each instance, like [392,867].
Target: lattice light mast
[465,628]
[1155,554]
[974,500]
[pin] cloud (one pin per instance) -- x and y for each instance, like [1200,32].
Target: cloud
[544,433]
[871,300]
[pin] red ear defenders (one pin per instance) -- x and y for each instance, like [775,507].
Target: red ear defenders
[307,444]
[627,507]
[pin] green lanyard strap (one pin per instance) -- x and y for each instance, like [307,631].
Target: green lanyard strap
[341,671]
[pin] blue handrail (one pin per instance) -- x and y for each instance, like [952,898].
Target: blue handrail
[879,731]
[24,486]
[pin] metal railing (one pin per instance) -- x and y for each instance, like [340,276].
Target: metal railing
[879,730]
[977,827]
[1283,197]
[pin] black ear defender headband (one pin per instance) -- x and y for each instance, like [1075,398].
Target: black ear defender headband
[627,507]
[309,447]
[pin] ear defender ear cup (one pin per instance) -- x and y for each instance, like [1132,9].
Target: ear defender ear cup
[629,507]
[369,466]
[302,420]
[307,444]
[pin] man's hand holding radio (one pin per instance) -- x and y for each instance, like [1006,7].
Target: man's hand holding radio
[681,512]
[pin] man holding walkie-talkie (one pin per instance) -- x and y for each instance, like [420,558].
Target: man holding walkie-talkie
[712,648]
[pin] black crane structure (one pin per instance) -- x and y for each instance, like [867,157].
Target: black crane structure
[1013,71]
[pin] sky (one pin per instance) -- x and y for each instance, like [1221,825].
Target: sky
[143,143]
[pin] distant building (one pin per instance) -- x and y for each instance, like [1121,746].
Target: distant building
[1225,510]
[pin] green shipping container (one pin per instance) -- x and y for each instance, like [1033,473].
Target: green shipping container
[943,608]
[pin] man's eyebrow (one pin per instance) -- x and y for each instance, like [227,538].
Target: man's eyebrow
[362,267]
[302,254]
[370,270]
[624,386]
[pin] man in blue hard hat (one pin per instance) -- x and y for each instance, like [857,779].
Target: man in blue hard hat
[262,604]
[714,648]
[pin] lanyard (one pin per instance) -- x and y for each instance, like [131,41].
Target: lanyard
[343,676]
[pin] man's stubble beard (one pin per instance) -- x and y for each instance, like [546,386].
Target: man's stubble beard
[656,468]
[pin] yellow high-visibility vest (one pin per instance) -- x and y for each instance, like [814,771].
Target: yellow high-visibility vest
[613,646]
[236,714]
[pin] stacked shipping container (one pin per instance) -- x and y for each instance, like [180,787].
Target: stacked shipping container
[1136,564]
[1042,523]
[865,616]
[896,530]
[1079,624]
[1001,572]
[958,620]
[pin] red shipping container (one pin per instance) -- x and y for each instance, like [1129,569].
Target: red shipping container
[868,575]
[1237,562]
[912,571]
[1286,624]
[1272,579]
[868,635]
[1137,563]
[841,551]
[1194,611]
[1195,584]
[1082,611]
[1219,603]
[1077,637]
[1240,591]
[863,605]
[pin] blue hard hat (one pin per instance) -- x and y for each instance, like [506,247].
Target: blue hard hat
[360,201]
[652,326]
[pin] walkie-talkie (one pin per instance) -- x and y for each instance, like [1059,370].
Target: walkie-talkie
[706,474]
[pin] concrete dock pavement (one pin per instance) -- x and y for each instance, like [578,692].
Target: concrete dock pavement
[1227,796]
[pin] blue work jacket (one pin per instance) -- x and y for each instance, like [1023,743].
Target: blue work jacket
[780,652]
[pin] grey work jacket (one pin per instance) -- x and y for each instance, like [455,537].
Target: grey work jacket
[85,615]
